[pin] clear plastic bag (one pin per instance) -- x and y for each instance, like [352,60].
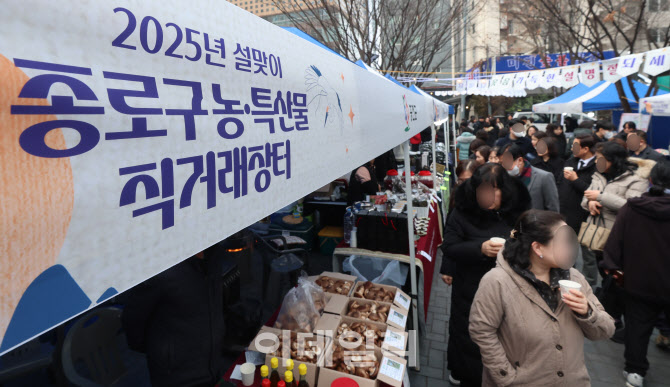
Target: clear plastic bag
[378,270]
[302,307]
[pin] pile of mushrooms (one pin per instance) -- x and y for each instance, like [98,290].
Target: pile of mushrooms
[371,310]
[357,362]
[369,291]
[310,350]
[367,331]
[332,285]
[298,318]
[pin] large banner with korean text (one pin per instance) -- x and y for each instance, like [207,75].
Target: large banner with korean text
[137,133]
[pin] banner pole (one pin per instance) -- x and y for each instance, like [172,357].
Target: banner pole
[412,253]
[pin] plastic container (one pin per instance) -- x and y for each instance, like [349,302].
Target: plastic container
[390,179]
[414,179]
[426,178]
[348,224]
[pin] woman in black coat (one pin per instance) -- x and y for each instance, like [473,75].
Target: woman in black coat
[487,206]
[556,131]
[548,158]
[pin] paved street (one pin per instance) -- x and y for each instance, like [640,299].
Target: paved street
[604,359]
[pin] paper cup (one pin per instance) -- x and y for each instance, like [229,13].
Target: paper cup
[497,240]
[566,285]
[248,371]
[568,169]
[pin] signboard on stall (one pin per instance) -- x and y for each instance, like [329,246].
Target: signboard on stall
[641,120]
[137,133]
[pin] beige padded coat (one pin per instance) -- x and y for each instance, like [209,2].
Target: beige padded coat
[617,192]
[524,343]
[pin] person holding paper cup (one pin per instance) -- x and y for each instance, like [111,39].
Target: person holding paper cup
[527,331]
[486,207]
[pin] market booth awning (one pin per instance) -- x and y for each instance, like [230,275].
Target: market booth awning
[601,96]
[658,105]
[167,149]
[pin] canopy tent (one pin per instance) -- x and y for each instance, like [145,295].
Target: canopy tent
[601,96]
[322,116]
[658,105]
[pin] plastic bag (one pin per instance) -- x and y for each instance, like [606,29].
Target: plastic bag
[302,307]
[377,270]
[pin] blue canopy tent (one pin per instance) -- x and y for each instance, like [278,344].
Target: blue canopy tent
[570,101]
[601,96]
[608,99]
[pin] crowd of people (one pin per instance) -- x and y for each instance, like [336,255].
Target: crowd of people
[592,207]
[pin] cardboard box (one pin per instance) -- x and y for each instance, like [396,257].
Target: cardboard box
[401,299]
[395,340]
[268,338]
[336,304]
[327,325]
[397,318]
[391,370]
[340,276]
[362,301]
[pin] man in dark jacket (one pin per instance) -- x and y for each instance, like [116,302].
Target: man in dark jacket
[571,192]
[517,135]
[639,148]
[639,244]
[176,318]
[604,131]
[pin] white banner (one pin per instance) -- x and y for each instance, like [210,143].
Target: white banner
[550,78]
[495,82]
[137,133]
[657,61]
[629,64]
[533,80]
[460,86]
[506,83]
[569,77]
[610,73]
[520,81]
[590,73]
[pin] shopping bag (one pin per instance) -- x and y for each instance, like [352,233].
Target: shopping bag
[594,234]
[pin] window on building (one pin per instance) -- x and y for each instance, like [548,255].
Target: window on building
[659,5]
[658,35]
[510,27]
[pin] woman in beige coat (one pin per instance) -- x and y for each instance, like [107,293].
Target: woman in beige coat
[529,335]
[617,180]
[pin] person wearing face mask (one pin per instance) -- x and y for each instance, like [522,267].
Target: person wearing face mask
[576,180]
[548,159]
[540,184]
[639,245]
[604,131]
[617,179]
[486,206]
[528,334]
[517,135]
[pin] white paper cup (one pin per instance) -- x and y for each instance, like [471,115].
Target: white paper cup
[500,241]
[566,285]
[248,371]
[568,169]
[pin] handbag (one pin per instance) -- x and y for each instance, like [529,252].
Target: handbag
[594,234]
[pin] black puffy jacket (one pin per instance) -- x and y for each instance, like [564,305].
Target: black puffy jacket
[176,318]
[463,260]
